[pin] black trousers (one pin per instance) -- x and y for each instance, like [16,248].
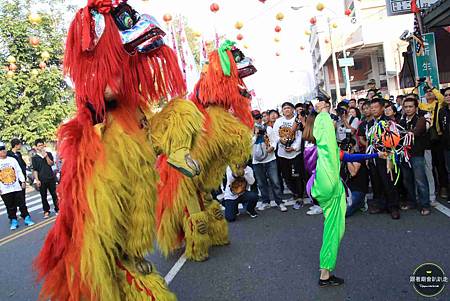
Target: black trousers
[293,171]
[50,186]
[384,191]
[13,200]
[438,153]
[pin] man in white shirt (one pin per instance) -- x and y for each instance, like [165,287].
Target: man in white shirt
[238,191]
[265,164]
[289,151]
[12,181]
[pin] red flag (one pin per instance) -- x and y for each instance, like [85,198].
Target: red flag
[414,7]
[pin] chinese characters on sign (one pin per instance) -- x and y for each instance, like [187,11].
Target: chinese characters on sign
[428,280]
[399,7]
[425,64]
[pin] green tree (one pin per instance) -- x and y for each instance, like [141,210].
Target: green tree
[34,98]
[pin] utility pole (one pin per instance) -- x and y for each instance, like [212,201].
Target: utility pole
[336,74]
[348,90]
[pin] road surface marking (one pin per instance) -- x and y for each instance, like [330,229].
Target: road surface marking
[443,209]
[175,269]
[30,209]
[25,231]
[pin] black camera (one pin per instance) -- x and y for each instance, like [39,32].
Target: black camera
[347,144]
[304,113]
[261,129]
[341,111]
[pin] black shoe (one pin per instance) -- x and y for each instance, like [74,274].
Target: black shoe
[375,210]
[395,214]
[332,281]
[252,214]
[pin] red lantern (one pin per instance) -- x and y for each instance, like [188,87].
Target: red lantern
[239,37]
[262,1]
[214,7]
[42,65]
[34,41]
[313,21]
[167,18]
[277,53]
[12,67]
[348,12]
[277,28]
[302,48]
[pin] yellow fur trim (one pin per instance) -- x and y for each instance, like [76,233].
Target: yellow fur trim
[217,225]
[197,244]
[176,126]
[143,287]
[227,142]
[121,196]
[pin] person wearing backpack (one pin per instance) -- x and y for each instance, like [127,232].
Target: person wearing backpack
[264,163]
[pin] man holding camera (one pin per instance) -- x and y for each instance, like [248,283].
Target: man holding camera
[264,163]
[433,106]
[239,180]
[345,126]
[288,138]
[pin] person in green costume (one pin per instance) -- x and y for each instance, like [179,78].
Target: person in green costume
[322,161]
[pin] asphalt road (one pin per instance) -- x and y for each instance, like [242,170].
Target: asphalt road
[276,257]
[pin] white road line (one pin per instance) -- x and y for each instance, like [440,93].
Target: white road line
[28,199]
[33,208]
[443,209]
[175,269]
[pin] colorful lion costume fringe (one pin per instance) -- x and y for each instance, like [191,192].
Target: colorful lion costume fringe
[218,132]
[95,251]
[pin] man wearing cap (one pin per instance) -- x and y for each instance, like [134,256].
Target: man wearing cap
[12,181]
[289,151]
[265,164]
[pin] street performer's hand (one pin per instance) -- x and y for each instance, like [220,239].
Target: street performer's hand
[270,149]
[289,149]
[382,155]
[38,183]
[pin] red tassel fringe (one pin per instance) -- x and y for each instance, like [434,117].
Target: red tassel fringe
[214,88]
[134,78]
[58,263]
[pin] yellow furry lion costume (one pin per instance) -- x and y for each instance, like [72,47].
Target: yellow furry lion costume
[216,127]
[95,251]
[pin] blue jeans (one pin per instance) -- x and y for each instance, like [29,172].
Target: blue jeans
[415,178]
[264,171]
[357,202]
[231,206]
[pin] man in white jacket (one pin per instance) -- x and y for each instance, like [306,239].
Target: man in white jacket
[289,140]
[232,198]
[12,181]
[265,164]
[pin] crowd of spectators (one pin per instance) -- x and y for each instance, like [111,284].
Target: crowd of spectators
[417,181]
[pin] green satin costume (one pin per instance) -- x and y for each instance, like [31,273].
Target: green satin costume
[328,190]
